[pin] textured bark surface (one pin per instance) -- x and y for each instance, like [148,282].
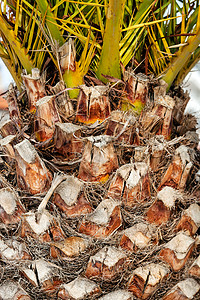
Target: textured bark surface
[111,179]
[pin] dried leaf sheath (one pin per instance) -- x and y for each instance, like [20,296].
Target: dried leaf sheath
[93,104]
[137,92]
[32,174]
[67,140]
[99,159]
[63,102]
[45,118]
[35,87]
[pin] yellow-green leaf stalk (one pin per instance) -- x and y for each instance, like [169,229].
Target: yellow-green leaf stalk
[16,45]
[110,58]
[179,62]
[50,21]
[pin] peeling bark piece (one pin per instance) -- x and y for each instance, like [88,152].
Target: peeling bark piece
[93,104]
[178,170]
[10,290]
[99,159]
[177,251]
[184,290]
[70,247]
[160,211]
[13,108]
[7,145]
[159,119]
[179,108]
[13,250]
[122,126]
[117,295]
[104,221]
[43,274]
[137,237]
[137,92]
[190,220]
[195,268]
[32,174]
[35,87]
[45,118]
[70,197]
[78,289]
[67,140]
[46,229]
[106,264]
[145,279]
[67,55]
[157,151]
[131,184]
[11,208]
[64,104]
[7,127]
[141,154]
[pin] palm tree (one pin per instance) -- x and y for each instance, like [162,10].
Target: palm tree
[98,158]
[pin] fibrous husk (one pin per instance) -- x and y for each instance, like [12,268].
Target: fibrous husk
[99,159]
[78,289]
[123,127]
[139,236]
[106,264]
[70,197]
[177,251]
[67,140]
[35,87]
[190,220]
[179,169]
[13,250]
[10,290]
[45,118]
[32,174]
[145,279]
[131,184]
[93,104]
[104,221]
[43,227]
[70,247]
[183,290]
[42,273]
[11,208]
[160,211]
